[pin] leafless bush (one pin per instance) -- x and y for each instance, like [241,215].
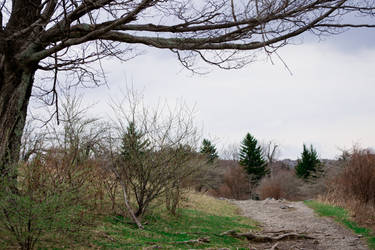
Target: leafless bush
[110,185]
[58,177]
[72,153]
[358,178]
[157,151]
[207,177]
[40,210]
[354,187]
[282,184]
[235,184]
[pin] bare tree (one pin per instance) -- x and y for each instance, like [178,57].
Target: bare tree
[271,151]
[32,141]
[80,136]
[231,152]
[71,36]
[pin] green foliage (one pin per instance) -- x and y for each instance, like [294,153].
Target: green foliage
[32,211]
[252,159]
[340,215]
[166,231]
[134,146]
[209,149]
[308,163]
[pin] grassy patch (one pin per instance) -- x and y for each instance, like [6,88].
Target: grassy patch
[200,216]
[340,215]
[194,221]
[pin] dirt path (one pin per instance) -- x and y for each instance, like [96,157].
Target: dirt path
[279,217]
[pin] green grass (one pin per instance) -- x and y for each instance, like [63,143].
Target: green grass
[200,216]
[164,230]
[342,216]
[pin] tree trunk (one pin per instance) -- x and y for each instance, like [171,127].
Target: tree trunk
[15,90]
[140,210]
[128,207]
[16,80]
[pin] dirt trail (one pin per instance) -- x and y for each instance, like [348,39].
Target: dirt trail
[279,217]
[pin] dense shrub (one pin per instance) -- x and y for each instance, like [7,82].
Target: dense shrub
[236,184]
[282,184]
[359,177]
[357,180]
[37,208]
[354,186]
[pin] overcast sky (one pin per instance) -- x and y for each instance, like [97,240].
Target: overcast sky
[328,101]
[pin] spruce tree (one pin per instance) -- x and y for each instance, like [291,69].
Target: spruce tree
[134,145]
[308,163]
[251,158]
[209,149]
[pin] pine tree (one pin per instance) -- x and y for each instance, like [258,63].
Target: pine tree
[134,145]
[251,158]
[209,149]
[308,163]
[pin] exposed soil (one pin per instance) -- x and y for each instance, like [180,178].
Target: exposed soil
[277,217]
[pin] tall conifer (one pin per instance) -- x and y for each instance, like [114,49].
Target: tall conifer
[251,158]
[209,149]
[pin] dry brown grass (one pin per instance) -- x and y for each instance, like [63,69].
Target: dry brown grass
[209,204]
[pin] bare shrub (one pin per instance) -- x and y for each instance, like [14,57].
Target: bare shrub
[207,177]
[357,180]
[72,154]
[354,186]
[236,184]
[42,210]
[110,186]
[282,184]
[156,152]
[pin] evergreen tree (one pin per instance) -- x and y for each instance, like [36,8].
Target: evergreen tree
[209,149]
[308,163]
[251,158]
[134,145]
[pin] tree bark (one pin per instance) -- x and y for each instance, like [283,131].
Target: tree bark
[16,81]
[128,207]
[15,91]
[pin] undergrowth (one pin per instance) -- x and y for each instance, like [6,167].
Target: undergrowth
[200,216]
